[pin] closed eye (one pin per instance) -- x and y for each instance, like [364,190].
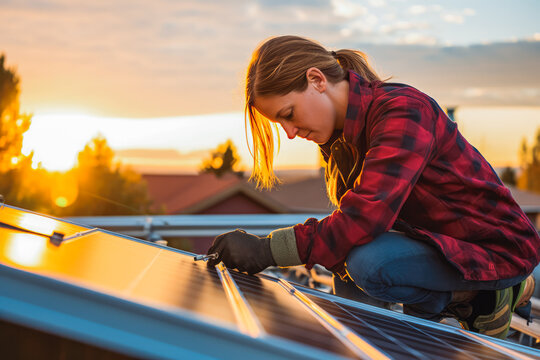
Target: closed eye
[289,116]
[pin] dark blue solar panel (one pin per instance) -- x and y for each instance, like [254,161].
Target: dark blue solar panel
[169,280]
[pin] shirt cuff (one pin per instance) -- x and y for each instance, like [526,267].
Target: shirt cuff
[283,247]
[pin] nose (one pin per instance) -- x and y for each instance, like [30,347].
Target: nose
[290,129]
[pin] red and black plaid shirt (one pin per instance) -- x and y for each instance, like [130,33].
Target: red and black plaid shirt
[420,176]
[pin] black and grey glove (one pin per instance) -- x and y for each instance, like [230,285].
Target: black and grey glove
[243,251]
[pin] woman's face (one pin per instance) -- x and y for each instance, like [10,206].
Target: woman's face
[310,114]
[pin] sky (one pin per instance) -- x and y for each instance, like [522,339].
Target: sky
[167,75]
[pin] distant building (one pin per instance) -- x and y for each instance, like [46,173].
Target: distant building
[208,194]
[529,202]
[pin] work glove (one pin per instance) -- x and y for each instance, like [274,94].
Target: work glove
[245,252]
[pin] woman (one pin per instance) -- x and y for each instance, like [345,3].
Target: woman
[422,217]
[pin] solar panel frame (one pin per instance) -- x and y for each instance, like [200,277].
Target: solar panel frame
[131,323]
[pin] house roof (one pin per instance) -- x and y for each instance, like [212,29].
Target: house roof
[524,197]
[307,194]
[185,194]
[177,192]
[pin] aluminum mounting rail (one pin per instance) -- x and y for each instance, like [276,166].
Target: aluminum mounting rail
[355,343]
[249,324]
[247,321]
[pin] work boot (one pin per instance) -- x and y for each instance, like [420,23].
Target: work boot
[459,307]
[495,321]
[524,291]
[500,304]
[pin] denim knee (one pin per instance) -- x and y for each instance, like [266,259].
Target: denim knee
[364,269]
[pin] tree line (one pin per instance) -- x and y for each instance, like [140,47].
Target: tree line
[96,185]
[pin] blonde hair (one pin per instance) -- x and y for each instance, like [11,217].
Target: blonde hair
[277,67]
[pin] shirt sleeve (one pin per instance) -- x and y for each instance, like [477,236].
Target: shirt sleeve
[401,143]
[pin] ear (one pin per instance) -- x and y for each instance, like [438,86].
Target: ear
[316,78]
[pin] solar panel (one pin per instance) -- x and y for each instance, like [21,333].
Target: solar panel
[403,339]
[141,299]
[281,315]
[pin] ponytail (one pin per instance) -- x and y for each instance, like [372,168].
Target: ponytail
[356,61]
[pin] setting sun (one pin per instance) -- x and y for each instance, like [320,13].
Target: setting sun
[54,141]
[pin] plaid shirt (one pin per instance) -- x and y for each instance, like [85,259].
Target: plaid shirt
[419,176]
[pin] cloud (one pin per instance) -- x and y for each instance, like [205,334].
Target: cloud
[378,3]
[417,9]
[457,17]
[417,39]
[162,161]
[469,12]
[187,57]
[453,18]
[465,75]
[348,9]
[402,26]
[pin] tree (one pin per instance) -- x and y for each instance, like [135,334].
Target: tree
[13,124]
[508,176]
[100,186]
[530,165]
[224,159]
[26,187]
[16,173]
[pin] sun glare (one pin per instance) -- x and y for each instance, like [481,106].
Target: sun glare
[54,143]
[61,201]
[64,190]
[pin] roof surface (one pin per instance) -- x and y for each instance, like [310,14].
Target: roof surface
[180,192]
[523,197]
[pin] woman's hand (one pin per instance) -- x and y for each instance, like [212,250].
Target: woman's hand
[243,251]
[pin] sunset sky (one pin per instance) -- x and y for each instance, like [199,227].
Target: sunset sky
[168,75]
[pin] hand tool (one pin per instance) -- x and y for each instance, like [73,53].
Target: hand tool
[205,257]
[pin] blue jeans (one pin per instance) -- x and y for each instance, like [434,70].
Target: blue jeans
[396,268]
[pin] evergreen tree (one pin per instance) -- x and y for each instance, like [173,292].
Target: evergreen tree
[508,176]
[13,124]
[224,159]
[100,186]
[16,171]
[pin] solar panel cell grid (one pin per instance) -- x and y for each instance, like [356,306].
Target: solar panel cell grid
[178,281]
[440,341]
[282,315]
[415,340]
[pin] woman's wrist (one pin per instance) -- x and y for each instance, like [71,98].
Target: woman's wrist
[283,247]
